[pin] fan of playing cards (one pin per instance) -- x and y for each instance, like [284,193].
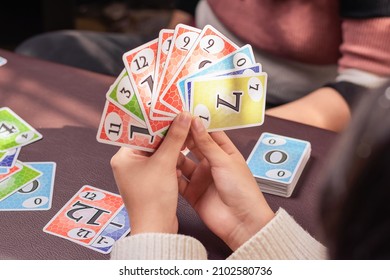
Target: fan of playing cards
[186,69]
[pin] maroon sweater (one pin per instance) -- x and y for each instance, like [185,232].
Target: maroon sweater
[311,31]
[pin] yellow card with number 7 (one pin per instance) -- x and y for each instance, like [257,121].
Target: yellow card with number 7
[229,102]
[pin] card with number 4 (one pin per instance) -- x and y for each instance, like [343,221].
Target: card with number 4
[14,131]
[277,162]
[85,215]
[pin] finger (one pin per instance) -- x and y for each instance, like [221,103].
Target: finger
[192,147]
[183,184]
[224,142]
[177,134]
[186,166]
[206,145]
[125,155]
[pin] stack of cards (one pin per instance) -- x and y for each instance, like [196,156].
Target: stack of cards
[23,186]
[93,218]
[277,162]
[185,69]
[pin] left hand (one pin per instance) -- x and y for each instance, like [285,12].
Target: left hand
[148,183]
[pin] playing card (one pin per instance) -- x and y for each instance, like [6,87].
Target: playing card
[248,70]
[3,61]
[140,65]
[240,58]
[118,128]
[18,180]
[277,161]
[164,46]
[14,131]
[229,102]
[10,171]
[36,195]
[85,215]
[183,40]
[121,94]
[116,229]
[4,170]
[9,158]
[210,46]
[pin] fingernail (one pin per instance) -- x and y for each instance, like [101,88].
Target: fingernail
[198,125]
[184,119]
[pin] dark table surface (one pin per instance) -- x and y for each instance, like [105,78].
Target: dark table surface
[65,105]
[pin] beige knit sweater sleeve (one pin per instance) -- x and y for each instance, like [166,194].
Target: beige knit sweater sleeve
[281,238]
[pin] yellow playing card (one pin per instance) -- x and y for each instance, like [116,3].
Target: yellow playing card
[229,102]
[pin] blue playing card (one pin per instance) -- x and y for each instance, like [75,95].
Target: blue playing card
[277,158]
[10,157]
[35,196]
[240,58]
[118,227]
[4,170]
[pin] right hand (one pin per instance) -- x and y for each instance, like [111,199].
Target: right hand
[221,188]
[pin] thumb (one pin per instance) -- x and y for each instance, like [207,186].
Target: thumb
[206,144]
[176,136]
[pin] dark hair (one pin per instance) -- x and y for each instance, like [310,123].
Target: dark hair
[355,209]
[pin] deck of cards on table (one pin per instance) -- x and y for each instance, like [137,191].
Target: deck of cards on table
[24,186]
[277,162]
[185,69]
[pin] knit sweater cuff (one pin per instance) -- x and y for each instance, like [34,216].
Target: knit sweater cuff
[281,239]
[158,246]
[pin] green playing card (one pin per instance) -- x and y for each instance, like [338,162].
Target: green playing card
[14,131]
[17,181]
[121,93]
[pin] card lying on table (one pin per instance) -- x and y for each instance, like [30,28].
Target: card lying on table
[36,195]
[16,181]
[14,131]
[93,218]
[277,162]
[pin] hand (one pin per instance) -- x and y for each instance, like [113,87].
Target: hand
[221,188]
[179,16]
[148,183]
[324,108]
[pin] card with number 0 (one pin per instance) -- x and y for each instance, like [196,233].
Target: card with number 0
[36,195]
